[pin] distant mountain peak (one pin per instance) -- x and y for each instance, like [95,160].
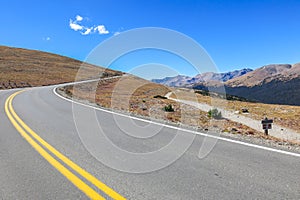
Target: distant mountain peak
[274,83]
[266,73]
[181,80]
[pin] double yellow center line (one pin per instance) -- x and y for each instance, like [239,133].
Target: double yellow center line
[42,147]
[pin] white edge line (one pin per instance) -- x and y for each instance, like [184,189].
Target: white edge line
[181,129]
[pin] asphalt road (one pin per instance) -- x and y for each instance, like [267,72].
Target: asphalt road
[229,171]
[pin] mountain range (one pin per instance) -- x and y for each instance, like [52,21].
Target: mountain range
[185,81]
[274,83]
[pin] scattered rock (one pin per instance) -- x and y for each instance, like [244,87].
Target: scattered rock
[250,133]
[245,110]
[234,129]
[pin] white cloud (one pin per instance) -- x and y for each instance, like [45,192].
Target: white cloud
[117,33]
[79,18]
[101,29]
[76,25]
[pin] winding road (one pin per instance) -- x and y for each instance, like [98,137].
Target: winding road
[42,156]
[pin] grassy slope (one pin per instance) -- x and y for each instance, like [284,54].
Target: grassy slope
[25,68]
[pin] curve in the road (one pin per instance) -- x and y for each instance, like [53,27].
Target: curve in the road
[30,136]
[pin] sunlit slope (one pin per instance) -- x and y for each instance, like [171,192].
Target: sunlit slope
[24,68]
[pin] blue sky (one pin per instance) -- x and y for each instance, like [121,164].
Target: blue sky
[236,34]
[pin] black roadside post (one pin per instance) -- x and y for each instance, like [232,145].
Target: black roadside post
[267,124]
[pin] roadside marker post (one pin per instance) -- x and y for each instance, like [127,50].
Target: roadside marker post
[267,124]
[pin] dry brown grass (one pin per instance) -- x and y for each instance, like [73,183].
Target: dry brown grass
[26,68]
[287,116]
[284,115]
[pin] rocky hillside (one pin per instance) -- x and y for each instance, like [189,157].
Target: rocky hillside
[222,77]
[265,74]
